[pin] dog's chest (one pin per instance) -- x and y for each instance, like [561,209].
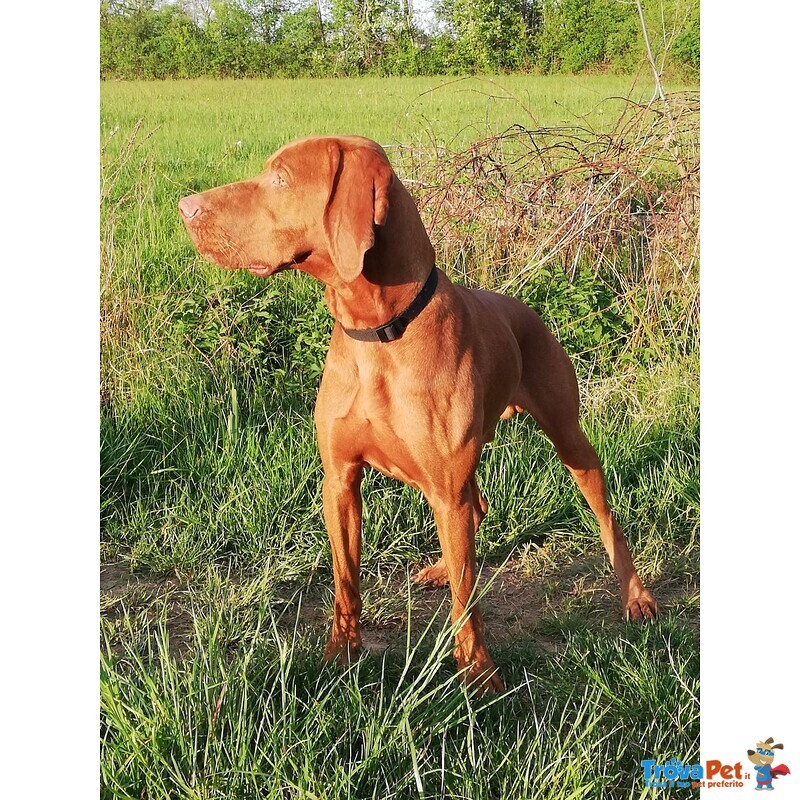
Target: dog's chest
[410,412]
[406,426]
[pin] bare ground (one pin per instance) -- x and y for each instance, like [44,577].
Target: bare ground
[516,604]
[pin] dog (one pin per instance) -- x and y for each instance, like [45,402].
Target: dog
[762,758]
[418,373]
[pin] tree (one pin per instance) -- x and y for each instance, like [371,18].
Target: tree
[487,35]
[237,38]
[300,44]
[265,16]
[363,30]
[230,34]
[576,34]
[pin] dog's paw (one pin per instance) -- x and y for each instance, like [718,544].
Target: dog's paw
[642,608]
[483,679]
[435,575]
[342,652]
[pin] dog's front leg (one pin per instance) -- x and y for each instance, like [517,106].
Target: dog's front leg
[341,501]
[455,520]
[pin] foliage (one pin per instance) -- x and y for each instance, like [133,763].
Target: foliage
[577,34]
[362,31]
[247,38]
[487,35]
[686,49]
[253,335]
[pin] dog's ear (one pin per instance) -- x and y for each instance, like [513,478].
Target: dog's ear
[359,199]
[777,747]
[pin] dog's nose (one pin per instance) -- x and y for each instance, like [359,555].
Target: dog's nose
[190,206]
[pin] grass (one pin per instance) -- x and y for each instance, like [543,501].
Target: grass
[259,717]
[200,120]
[217,576]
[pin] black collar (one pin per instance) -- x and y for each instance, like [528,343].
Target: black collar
[396,327]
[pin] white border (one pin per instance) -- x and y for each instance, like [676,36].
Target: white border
[750,446]
[50,302]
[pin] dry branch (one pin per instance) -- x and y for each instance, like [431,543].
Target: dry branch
[624,204]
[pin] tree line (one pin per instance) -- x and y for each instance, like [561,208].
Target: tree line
[148,39]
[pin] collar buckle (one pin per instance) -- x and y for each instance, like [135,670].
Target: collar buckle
[394,329]
[391,330]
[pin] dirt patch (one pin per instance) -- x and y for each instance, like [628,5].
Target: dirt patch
[516,605]
[513,608]
[145,597]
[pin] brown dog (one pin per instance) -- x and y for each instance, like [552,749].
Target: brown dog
[417,399]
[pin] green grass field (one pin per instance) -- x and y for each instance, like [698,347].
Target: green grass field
[216,579]
[201,118]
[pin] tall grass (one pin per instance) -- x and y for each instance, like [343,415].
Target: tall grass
[252,714]
[211,508]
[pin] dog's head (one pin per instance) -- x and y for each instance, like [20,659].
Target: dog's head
[764,752]
[317,202]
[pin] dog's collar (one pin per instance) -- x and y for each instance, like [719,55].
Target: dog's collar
[395,328]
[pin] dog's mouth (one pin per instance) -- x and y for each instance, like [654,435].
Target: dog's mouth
[221,248]
[262,270]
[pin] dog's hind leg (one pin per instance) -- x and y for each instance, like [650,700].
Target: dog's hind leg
[549,392]
[580,458]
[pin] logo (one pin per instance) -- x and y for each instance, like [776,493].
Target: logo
[715,774]
[674,774]
[762,758]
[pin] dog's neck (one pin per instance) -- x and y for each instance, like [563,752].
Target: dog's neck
[395,270]
[378,294]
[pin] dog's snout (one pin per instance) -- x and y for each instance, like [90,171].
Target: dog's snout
[190,206]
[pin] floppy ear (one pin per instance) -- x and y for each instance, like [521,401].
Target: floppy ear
[359,199]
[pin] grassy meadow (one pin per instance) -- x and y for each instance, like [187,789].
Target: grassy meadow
[216,585]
